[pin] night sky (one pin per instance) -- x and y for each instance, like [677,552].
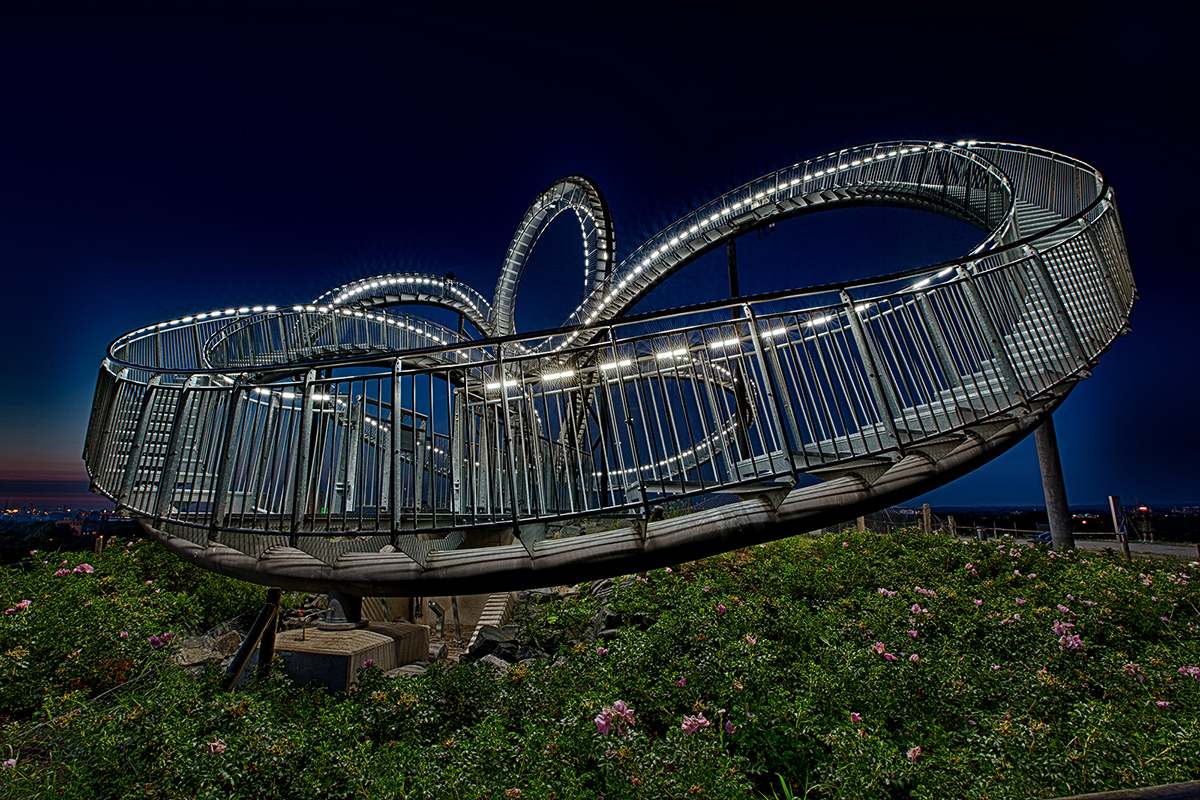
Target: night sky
[172,158]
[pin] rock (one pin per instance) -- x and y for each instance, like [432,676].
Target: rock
[604,619]
[229,643]
[192,656]
[507,651]
[602,588]
[569,532]
[490,637]
[198,643]
[437,651]
[561,661]
[407,669]
[526,653]
[495,662]
[608,634]
[536,596]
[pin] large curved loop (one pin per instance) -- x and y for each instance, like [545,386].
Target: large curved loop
[574,193]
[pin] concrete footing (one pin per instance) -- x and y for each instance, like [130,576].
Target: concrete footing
[332,658]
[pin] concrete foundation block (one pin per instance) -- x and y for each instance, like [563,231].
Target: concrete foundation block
[332,658]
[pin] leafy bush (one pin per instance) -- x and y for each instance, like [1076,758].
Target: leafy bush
[842,667]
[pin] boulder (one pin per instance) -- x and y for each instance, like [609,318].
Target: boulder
[193,656]
[495,662]
[526,653]
[490,637]
[507,651]
[229,643]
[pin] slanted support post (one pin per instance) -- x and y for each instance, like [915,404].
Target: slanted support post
[1061,535]
[265,618]
[881,391]
[1014,392]
[139,439]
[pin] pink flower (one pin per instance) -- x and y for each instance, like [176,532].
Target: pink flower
[370,662]
[10,763]
[978,602]
[84,568]
[1190,672]
[155,642]
[24,604]
[681,682]
[729,729]
[603,724]
[1070,642]
[64,561]
[888,657]
[914,753]
[886,592]
[738,684]
[124,634]
[621,711]
[62,572]
[693,724]
[1020,602]
[721,608]
[215,746]
[669,570]
[1162,703]
[912,634]
[601,651]
[1032,575]
[879,647]
[995,666]
[149,582]
[855,716]
[845,544]
[750,640]
[610,753]
[707,589]
[914,658]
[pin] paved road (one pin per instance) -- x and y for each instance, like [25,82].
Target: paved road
[1180,550]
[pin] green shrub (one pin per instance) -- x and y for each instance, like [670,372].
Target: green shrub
[798,655]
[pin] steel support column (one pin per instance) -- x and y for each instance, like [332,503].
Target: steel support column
[1062,537]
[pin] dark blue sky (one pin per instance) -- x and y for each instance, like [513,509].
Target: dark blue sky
[170,158]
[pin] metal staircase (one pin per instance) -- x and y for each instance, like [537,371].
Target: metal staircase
[342,445]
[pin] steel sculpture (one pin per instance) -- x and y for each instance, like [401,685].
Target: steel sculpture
[342,445]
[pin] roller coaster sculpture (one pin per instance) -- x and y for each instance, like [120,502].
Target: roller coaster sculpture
[342,445]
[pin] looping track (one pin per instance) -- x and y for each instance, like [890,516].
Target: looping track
[341,444]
